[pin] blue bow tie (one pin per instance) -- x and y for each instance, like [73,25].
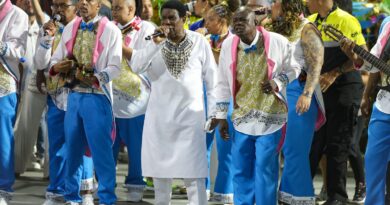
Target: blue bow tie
[214,37]
[84,26]
[250,49]
[61,29]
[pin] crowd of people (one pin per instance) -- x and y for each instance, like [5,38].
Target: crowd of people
[263,81]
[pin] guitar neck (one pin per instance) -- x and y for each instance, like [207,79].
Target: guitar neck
[376,62]
[367,56]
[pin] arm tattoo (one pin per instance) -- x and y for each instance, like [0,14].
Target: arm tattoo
[313,51]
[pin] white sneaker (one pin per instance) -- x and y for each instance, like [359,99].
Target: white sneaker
[3,201]
[135,196]
[71,203]
[5,197]
[54,199]
[87,199]
[51,202]
[33,166]
[135,193]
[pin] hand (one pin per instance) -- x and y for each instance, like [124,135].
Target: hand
[269,86]
[158,39]
[327,79]
[50,28]
[40,79]
[224,129]
[86,79]
[365,106]
[303,104]
[202,31]
[214,123]
[64,66]
[347,47]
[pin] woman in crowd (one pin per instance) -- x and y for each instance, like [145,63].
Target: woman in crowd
[217,23]
[306,112]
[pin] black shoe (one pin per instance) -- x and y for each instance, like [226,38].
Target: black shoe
[387,199]
[360,194]
[334,202]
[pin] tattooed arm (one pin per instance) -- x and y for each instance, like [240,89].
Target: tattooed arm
[313,51]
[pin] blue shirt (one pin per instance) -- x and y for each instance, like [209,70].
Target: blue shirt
[196,25]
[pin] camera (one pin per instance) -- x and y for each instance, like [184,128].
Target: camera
[190,6]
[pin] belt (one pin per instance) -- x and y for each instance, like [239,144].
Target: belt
[87,90]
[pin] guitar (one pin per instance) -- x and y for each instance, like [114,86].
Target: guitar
[361,52]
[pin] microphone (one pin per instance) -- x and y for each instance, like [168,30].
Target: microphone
[55,19]
[155,34]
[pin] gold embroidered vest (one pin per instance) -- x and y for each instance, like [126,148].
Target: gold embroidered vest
[128,83]
[251,72]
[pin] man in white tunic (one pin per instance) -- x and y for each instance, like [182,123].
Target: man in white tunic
[173,144]
[13,37]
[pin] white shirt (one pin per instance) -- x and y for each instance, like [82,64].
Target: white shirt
[173,142]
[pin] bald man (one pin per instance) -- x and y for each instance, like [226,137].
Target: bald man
[259,114]
[131,92]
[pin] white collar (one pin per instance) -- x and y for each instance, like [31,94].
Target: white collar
[254,42]
[94,20]
[124,26]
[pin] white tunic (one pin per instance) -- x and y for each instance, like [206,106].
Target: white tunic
[173,144]
[13,32]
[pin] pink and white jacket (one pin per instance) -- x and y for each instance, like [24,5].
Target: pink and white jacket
[13,36]
[107,53]
[282,68]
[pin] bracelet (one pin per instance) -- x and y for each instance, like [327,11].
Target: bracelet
[307,94]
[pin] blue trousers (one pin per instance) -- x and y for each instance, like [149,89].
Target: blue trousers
[224,178]
[58,151]
[8,106]
[130,132]
[377,157]
[255,168]
[88,123]
[296,148]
